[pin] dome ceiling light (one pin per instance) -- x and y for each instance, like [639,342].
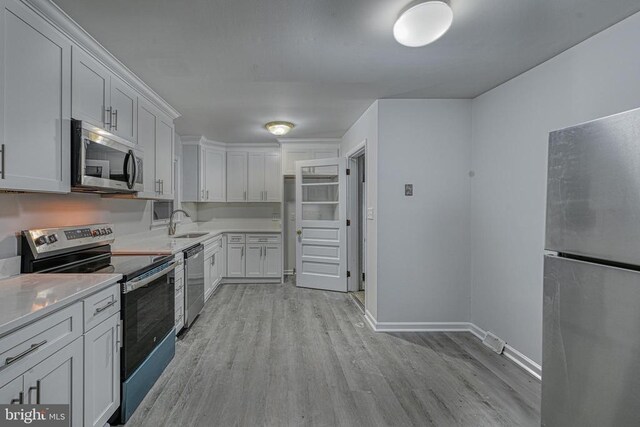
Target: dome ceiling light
[423,23]
[279,128]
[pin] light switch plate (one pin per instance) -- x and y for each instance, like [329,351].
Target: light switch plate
[369,213]
[408,189]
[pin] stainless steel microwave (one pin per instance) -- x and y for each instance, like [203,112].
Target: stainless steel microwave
[102,162]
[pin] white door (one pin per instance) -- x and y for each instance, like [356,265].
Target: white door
[102,372]
[235,260]
[272,260]
[12,391]
[147,127]
[321,260]
[236,176]
[164,156]
[215,175]
[272,177]
[254,260]
[35,102]
[59,380]
[90,90]
[255,173]
[124,110]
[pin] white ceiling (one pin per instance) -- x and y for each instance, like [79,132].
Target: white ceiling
[230,66]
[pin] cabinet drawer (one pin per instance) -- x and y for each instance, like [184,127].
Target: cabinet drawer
[235,238]
[263,238]
[101,306]
[42,338]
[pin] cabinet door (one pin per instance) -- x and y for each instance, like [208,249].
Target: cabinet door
[124,110]
[59,380]
[255,177]
[90,90]
[236,176]
[292,156]
[12,391]
[35,107]
[235,260]
[272,260]
[147,118]
[102,371]
[215,175]
[164,156]
[217,268]
[272,177]
[254,260]
[208,279]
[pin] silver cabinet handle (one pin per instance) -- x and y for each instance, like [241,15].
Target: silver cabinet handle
[103,308]
[207,194]
[242,252]
[34,347]
[108,112]
[265,195]
[213,259]
[37,389]
[162,186]
[115,122]
[19,400]
[2,151]
[244,196]
[202,195]
[118,340]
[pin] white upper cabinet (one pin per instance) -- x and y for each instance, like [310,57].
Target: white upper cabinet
[255,178]
[90,90]
[272,178]
[101,98]
[293,152]
[165,156]
[156,138]
[236,176]
[214,175]
[124,110]
[35,112]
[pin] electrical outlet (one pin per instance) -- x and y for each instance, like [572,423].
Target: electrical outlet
[370,213]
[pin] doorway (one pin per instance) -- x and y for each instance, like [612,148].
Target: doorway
[356,240]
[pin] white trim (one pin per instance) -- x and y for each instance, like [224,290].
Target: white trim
[531,367]
[59,18]
[231,146]
[310,140]
[523,361]
[356,151]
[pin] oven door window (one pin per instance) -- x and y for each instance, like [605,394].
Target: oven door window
[148,317]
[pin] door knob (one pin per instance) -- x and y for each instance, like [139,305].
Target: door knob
[299,232]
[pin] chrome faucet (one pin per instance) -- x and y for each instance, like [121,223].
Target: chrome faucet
[172,225]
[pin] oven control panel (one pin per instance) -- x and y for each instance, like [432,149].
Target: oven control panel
[47,240]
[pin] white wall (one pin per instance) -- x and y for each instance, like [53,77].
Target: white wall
[366,128]
[598,77]
[24,211]
[423,240]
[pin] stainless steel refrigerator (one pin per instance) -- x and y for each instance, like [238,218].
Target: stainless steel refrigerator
[591,335]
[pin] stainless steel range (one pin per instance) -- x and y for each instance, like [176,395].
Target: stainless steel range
[147,297]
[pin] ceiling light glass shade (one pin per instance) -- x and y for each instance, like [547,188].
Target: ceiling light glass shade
[279,128]
[423,23]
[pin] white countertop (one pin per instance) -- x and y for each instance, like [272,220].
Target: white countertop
[27,297]
[154,243]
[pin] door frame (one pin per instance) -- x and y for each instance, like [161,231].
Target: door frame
[353,282]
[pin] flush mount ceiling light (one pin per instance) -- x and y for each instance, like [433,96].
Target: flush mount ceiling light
[279,128]
[423,23]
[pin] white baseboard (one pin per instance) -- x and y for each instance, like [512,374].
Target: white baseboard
[533,368]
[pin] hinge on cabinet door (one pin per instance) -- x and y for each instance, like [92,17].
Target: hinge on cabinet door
[348,222]
[348,171]
[363,277]
[348,274]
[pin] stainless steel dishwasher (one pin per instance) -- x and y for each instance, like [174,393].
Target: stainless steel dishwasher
[194,282]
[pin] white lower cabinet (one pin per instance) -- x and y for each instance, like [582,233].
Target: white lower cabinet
[179,292]
[259,257]
[102,371]
[52,362]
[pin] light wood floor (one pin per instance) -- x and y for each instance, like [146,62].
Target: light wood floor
[276,355]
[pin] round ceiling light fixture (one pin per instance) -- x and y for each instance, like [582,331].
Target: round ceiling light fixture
[423,23]
[279,128]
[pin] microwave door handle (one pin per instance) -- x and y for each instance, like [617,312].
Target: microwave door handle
[130,178]
[135,169]
[125,167]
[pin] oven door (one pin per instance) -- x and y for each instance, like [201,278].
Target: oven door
[147,316]
[103,163]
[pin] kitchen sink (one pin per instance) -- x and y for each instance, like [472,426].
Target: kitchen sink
[190,235]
